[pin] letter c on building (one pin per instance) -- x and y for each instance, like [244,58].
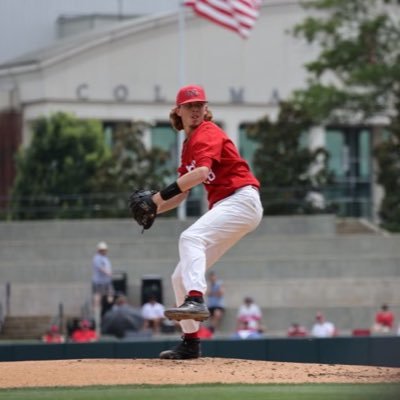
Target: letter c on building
[82,91]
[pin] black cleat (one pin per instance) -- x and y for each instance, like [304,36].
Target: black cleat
[192,308]
[185,350]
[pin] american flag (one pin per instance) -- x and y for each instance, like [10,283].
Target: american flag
[237,15]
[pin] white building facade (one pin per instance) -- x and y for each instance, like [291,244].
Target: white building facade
[132,71]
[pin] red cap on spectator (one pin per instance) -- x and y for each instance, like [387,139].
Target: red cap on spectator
[189,94]
[85,323]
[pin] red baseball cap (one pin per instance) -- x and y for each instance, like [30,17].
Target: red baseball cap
[190,94]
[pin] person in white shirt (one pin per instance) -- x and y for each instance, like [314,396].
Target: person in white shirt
[153,314]
[249,314]
[322,328]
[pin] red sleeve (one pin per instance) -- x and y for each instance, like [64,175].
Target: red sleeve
[208,146]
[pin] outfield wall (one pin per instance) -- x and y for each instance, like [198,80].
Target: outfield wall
[374,351]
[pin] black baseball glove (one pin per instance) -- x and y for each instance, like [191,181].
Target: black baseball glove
[142,207]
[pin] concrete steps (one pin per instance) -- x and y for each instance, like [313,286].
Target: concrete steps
[256,256]
[350,226]
[27,327]
[290,265]
[323,225]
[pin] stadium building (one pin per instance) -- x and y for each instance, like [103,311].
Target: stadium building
[131,70]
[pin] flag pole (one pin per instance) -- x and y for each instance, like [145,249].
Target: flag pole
[181,80]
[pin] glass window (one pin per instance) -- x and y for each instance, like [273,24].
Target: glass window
[335,145]
[165,138]
[304,140]
[364,151]
[247,146]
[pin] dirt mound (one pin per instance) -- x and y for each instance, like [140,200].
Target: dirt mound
[204,370]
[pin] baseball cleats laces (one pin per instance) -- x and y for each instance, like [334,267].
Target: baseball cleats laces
[185,350]
[192,308]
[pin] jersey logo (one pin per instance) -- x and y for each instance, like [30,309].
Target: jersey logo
[210,177]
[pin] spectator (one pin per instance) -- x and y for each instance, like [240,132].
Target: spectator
[215,301]
[122,319]
[53,335]
[245,332]
[153,314]
[296,330]
[322,328]
[205,333]
[249,316]
[384,320]
[84,333]
[101,274]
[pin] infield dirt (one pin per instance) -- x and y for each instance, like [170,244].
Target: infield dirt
[204,370]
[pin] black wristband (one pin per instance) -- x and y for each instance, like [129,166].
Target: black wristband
[170,191]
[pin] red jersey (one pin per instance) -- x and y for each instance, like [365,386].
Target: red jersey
[209,146]
[49,338]
[385,318]
[81,335]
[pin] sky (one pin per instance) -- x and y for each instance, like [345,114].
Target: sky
[27,25]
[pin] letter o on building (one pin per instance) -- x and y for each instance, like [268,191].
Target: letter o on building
[121,93]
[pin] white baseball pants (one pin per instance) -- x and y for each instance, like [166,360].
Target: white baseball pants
[204,242]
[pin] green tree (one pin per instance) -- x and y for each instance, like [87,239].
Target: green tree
[356,73]
[285,167]
[60,162]
[69,172]
[356,76]
[388,156]
[131,166]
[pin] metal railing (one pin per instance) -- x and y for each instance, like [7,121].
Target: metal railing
[339,199]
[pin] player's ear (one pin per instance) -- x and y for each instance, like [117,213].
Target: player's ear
[208,115]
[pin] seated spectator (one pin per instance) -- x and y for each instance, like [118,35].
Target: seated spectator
[84,333]
[204,332]
[384,320]
[296,330]
[153,314]
[244,331]
[122,319]
[53,335]
[249,315]
[215,301]
[322,328]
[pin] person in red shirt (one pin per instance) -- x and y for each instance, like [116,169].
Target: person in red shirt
[208,157]
[384,320]
[84,333]
[53,335]
[297,330]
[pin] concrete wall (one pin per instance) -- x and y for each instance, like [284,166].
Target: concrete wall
[291,266]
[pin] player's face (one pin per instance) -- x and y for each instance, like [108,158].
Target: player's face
[192,114]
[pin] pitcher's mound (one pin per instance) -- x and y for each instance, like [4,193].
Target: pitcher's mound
[204,370]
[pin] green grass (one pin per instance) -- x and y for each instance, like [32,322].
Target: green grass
[217,392]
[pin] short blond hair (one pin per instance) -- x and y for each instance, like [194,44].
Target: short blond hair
[176,120]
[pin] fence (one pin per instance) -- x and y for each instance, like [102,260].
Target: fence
[338,199]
